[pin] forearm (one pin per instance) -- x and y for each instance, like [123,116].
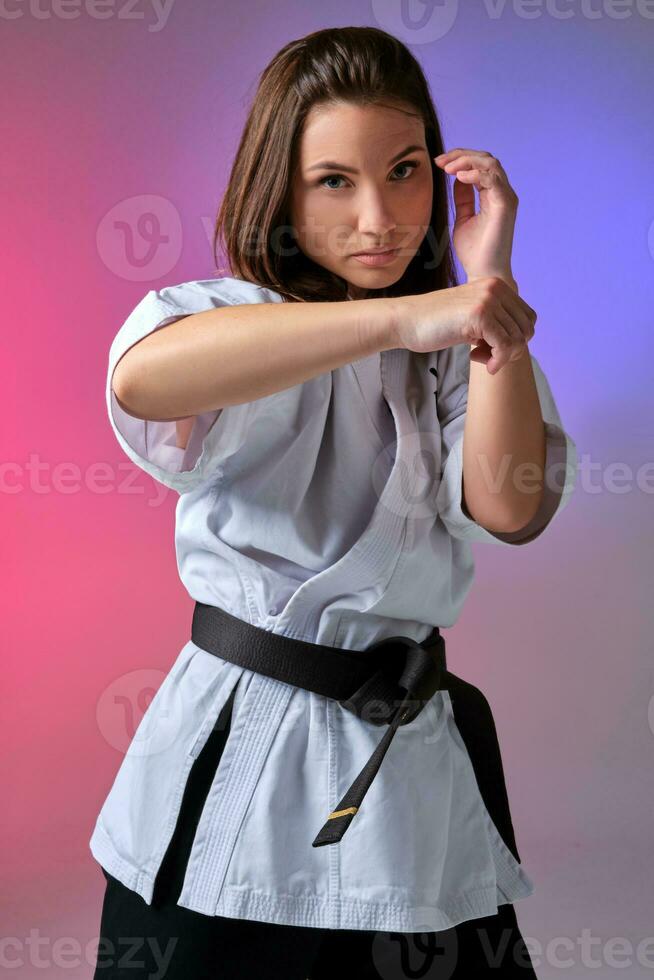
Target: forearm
[503,446]
[236,354]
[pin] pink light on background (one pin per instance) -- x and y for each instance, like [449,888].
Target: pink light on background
[112,120]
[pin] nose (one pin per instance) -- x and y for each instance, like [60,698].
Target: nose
[375,217]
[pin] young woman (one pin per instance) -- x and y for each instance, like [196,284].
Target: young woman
[317,411]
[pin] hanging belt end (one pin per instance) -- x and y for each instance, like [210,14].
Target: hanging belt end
[337,823]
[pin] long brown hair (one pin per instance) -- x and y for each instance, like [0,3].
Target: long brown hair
[362,65]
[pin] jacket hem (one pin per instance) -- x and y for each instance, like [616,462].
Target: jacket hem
[316,912]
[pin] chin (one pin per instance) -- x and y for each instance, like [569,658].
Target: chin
[380,279]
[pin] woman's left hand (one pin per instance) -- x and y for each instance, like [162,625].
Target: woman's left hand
[483,241]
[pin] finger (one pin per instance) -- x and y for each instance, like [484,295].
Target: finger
[499,340]
[488,162]
[514,331]
[474,161]
[458,150]
[480,159]
[464,200]
[510,298]
[481,178]
[481,353]
[469,160]
[469,176]
[521,312]
[477,165]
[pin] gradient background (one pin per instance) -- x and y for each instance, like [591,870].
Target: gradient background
[110,117]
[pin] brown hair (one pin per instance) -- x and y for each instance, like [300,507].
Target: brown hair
[363,65]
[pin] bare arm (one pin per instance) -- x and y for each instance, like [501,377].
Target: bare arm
[504,425]
[505,440]
[236,354]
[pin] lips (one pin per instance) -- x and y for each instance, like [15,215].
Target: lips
[374,251]
[376,258]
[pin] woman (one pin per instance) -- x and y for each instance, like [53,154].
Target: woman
[323,531]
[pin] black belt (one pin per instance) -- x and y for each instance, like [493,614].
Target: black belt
[388,683]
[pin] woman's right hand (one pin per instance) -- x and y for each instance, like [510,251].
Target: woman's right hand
[484,312]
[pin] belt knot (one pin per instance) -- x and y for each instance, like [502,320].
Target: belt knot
[408,675]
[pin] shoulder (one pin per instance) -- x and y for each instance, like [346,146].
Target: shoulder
[159,307]
[201,294]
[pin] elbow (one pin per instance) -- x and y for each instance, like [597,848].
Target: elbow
[124,389]
[508,519]
[518,516]
[510,525]
[526,509]
[131,391]
[143,395]
[119,381]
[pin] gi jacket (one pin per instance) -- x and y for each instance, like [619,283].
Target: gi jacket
[330,511]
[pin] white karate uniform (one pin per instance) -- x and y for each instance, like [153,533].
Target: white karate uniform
[330,511]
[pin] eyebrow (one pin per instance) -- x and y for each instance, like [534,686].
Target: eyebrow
[330,165]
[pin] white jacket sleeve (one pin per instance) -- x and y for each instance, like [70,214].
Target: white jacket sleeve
[453,372]
[152,445]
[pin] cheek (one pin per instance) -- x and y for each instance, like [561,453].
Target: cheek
[416,214]
[302,212]
[317,202]
[317,217]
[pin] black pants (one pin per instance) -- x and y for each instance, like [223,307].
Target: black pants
[165,941]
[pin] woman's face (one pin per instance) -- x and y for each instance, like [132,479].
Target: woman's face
[375,191]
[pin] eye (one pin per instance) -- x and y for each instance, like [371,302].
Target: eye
[322,180]
[412,164]
[408,163]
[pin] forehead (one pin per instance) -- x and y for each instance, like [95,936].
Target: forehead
[357,134]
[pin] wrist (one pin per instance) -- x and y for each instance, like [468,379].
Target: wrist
[378,325]
[389,319]
[505,274]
